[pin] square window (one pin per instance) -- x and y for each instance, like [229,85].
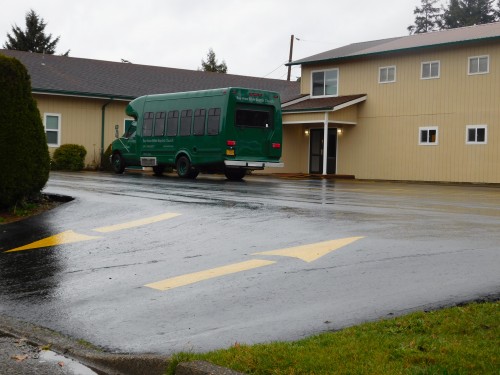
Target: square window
[479,65]
[325,83]
[430,70]
[476,134]
[387,74]
[428,135]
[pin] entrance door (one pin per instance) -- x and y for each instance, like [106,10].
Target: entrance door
[316,151]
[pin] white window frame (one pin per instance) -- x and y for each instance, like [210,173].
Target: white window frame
[478,72]
[58,115]
[387,68]
[324,83]
[430,69]
[468,127]
[428,128]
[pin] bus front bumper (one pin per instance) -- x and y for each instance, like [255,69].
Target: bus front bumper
[252,164]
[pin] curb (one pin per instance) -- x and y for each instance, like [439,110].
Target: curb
[101,362]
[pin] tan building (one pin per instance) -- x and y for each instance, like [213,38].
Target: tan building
[423,107]
[81,100]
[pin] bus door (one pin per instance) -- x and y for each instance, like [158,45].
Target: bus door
[129,142]
[254,128]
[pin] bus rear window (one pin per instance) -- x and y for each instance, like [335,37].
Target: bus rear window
[255,118]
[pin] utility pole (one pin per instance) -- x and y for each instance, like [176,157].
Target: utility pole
[290,57]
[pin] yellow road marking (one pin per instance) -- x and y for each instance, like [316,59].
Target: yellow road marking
[136,223]
[311,252]
[192,278]
[62,238]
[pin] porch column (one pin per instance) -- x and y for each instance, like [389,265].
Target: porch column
[325,143]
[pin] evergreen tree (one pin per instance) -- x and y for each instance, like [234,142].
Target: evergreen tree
[461,13]
[211,64]
[33,39]
[427,17]
[23,145]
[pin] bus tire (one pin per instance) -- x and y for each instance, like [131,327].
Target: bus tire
[235,174]
[193,173]
[183,166]
[158,170]
[118,163]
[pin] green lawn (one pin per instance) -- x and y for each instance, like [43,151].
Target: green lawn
[458,340]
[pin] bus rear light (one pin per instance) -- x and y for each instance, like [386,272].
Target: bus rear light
[231,143]
[276,145]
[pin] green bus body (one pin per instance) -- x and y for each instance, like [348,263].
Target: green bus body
[229,130]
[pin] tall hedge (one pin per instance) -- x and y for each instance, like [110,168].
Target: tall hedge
[24,155]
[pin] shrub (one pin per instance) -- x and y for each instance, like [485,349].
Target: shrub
[23,145]
[69,157]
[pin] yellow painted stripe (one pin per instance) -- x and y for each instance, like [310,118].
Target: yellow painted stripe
[311,252]
[192,278]
[136,223]
[59,239]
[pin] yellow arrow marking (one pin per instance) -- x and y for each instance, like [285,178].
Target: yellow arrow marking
[62,238]
[136,223]
[192,278]
[70,236]
[311,252]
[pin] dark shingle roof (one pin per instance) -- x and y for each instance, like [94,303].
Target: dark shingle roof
[469,34]
[321,104]
[96,78]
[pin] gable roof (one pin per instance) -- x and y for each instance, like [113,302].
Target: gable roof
[52,74]
[487,32]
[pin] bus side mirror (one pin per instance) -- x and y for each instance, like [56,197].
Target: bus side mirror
[116,131]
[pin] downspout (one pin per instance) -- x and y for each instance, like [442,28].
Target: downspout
[103,117]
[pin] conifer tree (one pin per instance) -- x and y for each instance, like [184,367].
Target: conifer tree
[427,17]
[34,38]
[211,64]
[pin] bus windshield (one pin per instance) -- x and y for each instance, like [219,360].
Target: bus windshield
[256,118]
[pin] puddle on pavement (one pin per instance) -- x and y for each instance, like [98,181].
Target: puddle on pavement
[68,364]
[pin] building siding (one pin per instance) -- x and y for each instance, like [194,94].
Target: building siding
[384,143]
[81,120]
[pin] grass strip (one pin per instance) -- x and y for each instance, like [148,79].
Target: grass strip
[457,340]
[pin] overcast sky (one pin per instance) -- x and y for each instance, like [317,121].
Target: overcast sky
[251,36]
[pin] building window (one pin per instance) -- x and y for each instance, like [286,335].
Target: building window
[479,65]
[476,134]
[430,70]
[387,74]
[52,124]
[325,83]
[428,135]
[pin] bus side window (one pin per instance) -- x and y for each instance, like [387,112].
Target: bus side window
[172,122]
[213,121]
[147,125]
[186,119]
[199,122]
[159,124]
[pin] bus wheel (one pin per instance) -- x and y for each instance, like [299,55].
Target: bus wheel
[235,174]
[118,163]
[183,167]
[158,170]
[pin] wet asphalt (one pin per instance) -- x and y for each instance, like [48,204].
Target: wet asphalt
[422,246]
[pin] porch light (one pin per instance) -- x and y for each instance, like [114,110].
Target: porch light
[339,131]
[306,132]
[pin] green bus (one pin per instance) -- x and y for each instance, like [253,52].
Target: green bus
[229,130]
